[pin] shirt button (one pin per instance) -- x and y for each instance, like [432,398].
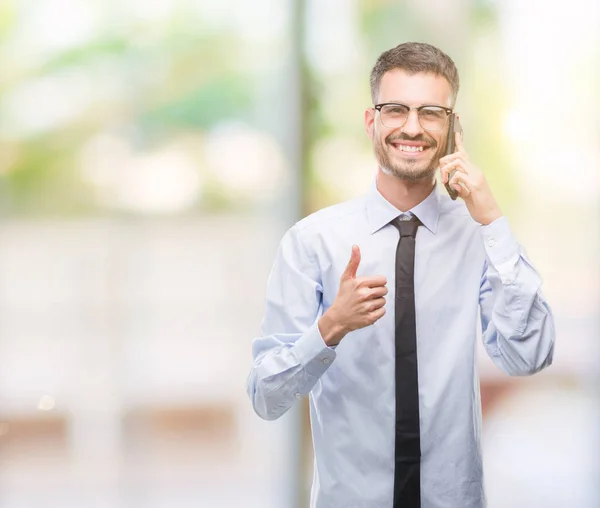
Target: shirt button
[298,396]
[326,360]
[491,242]
[405,217]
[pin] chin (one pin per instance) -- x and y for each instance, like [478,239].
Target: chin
[409,174]
[424,176]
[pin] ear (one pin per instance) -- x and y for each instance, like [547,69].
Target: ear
[370,122]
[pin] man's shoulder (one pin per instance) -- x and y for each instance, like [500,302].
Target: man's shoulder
[342,213]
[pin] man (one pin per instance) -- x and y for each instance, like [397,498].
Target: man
[372,309]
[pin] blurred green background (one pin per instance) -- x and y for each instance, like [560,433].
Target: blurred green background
[152,153]
[93,93]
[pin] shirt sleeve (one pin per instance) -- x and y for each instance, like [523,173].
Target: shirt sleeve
[517,322]
[290,356]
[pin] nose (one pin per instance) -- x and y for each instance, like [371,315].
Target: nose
[412,127]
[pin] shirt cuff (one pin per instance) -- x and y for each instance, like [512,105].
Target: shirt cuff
[501,247]
[312,352]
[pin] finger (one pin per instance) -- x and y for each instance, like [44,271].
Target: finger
[378,292]
[367,294]
[461,184]
[444,172]
[447,170]
[451,157]
[460,152]
[376,314]
[376,304]
[372,281]
[460,146]
[350,271]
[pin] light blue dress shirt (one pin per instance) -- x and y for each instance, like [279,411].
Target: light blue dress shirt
[466,275]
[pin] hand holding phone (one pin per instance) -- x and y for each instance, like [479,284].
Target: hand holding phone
[453,128]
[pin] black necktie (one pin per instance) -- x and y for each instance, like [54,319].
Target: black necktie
[407,474]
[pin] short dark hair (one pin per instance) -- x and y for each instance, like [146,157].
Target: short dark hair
[414,57]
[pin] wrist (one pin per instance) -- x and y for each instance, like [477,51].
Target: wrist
[491,217]
[331,329]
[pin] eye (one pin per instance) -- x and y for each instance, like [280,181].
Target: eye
[437,113]
[396,109]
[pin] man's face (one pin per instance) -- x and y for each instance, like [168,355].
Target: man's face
[391,144]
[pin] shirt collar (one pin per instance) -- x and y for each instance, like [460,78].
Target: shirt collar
[381,212]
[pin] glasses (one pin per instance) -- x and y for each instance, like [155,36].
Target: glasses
[431,118]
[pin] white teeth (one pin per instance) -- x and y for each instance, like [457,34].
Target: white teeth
[406,148]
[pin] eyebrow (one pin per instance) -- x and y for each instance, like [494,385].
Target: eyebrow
[416,106]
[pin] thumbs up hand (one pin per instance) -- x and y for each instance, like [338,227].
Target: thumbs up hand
[359,302]
[352,267]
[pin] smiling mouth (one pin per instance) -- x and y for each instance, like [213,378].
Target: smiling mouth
[410,149]
[405,148]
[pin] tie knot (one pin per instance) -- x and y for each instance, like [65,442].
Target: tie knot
[407,227]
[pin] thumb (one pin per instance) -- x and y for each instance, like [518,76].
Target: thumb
[350,271]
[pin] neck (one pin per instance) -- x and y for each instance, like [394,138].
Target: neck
[403,194]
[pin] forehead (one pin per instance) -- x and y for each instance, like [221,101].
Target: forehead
[414,89]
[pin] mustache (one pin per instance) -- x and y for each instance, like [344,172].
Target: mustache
[420,138]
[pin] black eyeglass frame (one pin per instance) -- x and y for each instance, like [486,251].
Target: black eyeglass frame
[448,111]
